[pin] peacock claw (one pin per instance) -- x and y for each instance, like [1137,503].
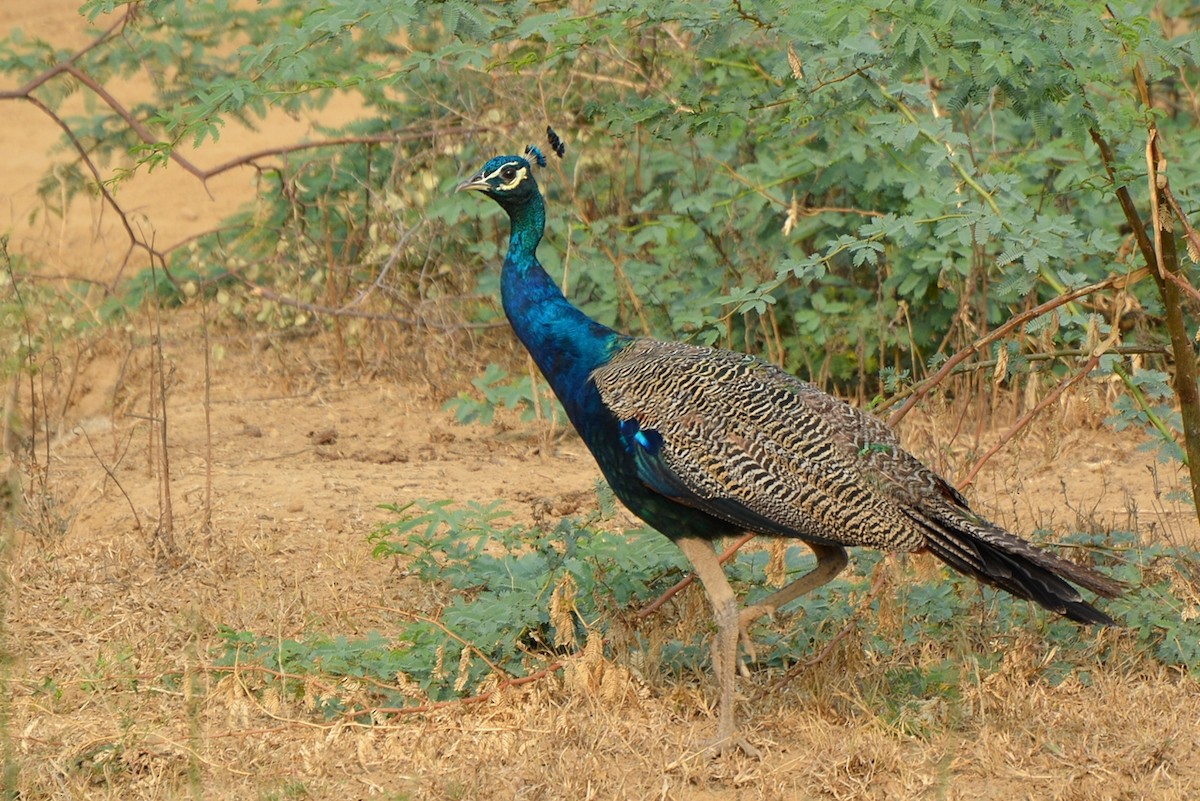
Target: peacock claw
[747,652]
[745,618]
[719,748]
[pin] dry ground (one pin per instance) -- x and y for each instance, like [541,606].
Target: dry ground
[301,457]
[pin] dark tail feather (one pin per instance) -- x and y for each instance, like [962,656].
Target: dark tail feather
[996,557]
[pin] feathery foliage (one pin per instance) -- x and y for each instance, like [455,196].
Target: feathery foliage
[845,186]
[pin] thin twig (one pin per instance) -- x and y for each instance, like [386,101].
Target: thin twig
[987,364]
[137,521]
[315,308]
[1028,417]
[417,618]
[386,268]
[1189,232]
[919,391]
[164,534]
[250,159]
[206,522]
[1178,281]
[474,699]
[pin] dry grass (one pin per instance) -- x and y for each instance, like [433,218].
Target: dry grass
[112,691]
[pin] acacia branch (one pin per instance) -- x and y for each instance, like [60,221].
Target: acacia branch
[919,391]
[251,159]
[143,133]
[135,241]
[1128,208]
[26,89]
[1162,261]
[69,67]
[1169,279]
[1028,417]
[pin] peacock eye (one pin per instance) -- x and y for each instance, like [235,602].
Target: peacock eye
[508,173]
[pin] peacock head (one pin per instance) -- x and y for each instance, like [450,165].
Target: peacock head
[508,180]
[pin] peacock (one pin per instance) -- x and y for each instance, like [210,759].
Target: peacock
[703,443]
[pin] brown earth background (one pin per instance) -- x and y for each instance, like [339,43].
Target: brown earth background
[302,456]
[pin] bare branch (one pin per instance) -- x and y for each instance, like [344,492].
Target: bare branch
[921,390]
[1028,417]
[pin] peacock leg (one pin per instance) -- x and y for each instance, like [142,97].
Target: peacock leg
[725,644]
[831,560]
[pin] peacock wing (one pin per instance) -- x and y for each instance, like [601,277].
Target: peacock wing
[748,443]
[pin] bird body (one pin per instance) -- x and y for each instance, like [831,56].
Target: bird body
[703,443]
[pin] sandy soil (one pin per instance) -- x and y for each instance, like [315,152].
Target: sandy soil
[301,457]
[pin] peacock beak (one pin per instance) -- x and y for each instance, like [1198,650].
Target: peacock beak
[474,182]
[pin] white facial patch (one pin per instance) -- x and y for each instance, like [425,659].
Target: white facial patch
[520,175]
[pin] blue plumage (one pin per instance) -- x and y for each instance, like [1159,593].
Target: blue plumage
[568,346]
[639,440]
[703,444]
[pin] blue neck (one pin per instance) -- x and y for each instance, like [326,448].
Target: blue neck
[566,344]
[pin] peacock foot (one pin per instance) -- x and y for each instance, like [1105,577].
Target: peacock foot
[730,744]
[718,748]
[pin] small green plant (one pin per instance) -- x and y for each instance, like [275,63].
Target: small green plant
[527,592]
[499,390]
[287,792]
[1163,611]
[113,669]
[919,698]
[520,597]
[513,607]
[1149,406]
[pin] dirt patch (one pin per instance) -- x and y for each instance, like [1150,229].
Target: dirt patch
[112,691]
